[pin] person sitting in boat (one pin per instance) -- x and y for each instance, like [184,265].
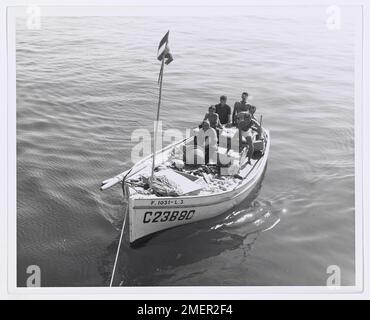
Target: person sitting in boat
[252,111]
[213,118]
[240,106]
[224,111]
[248,129]
[207,140]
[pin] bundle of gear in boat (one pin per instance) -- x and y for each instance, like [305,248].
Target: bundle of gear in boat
[215,159]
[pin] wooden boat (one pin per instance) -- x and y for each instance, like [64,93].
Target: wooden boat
[201,195]
[149,213]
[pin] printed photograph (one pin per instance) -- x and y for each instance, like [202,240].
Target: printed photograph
[187,150]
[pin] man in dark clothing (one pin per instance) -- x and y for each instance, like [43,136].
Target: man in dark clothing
[223,110]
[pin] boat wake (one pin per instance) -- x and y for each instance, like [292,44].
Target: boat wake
[258,217]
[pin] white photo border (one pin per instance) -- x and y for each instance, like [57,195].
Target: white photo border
[13,9]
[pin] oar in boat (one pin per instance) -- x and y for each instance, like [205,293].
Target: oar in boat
[138,166]
[113,181]
[118,178]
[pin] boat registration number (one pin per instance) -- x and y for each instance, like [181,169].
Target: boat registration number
[164,216]
[166,202]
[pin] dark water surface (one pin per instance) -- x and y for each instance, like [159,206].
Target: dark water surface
[85,83]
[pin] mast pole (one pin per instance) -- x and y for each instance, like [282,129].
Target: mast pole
[157,120]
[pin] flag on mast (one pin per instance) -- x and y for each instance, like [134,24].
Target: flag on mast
[164,54]
[164,50]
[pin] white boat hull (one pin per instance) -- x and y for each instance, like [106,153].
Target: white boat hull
[147,216]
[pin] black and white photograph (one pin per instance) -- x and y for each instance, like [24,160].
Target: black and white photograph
[188,146]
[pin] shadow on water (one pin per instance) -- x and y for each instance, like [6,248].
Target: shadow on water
[142,264]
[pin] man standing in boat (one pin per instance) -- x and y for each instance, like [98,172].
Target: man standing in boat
[240,106]
[223,111]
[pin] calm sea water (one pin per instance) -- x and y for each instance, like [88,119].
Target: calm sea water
[85,83]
